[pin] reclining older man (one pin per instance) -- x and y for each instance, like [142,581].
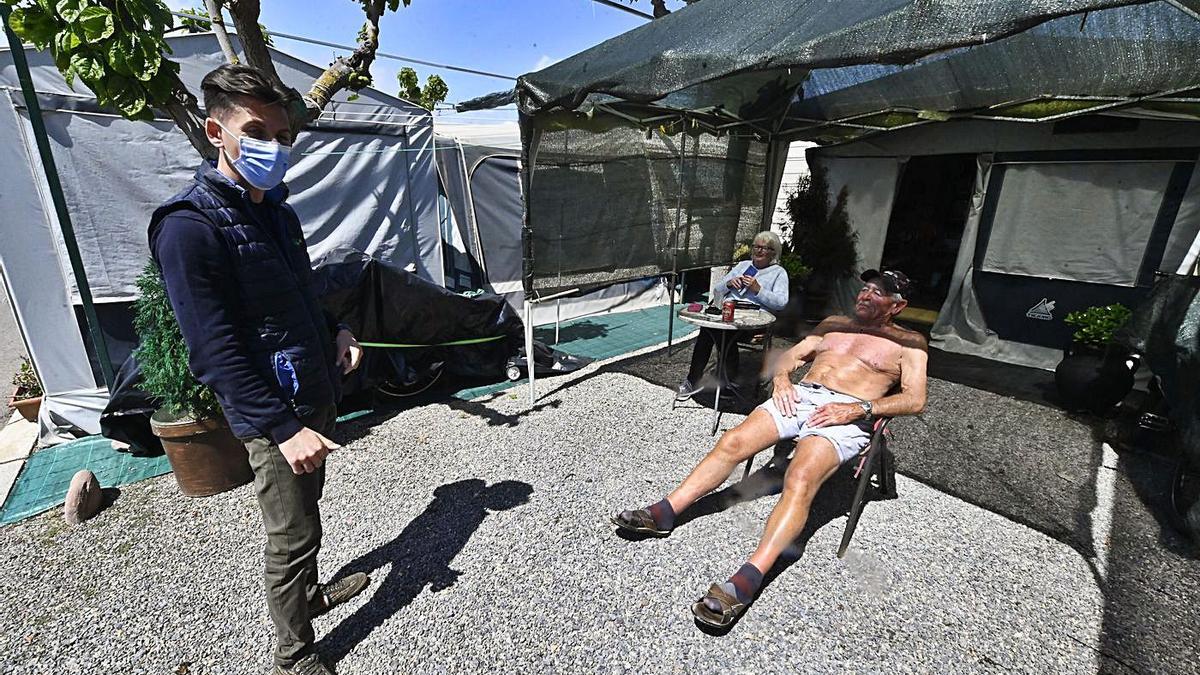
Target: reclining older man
[857,363]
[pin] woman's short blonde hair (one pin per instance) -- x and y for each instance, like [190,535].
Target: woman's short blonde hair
[769,238]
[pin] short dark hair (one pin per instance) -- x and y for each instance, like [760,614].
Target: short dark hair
[225,84]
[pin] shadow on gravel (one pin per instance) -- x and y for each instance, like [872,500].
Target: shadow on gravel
[493,417]
[582,330]
[420,556]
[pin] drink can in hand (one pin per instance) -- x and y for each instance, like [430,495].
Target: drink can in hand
[727,310]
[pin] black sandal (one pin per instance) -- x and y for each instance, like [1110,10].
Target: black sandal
[639,522]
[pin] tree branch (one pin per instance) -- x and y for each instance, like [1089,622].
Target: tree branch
[217,16]
[245,21]
[338,76]
[258,56]
[185,111]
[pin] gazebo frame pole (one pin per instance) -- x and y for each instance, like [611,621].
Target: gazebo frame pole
[54,185]
[675,243]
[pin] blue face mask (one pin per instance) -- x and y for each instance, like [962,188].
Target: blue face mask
[261,163]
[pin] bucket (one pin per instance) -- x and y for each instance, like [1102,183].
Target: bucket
[204,454]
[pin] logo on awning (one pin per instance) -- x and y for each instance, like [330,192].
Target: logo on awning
[1043,310]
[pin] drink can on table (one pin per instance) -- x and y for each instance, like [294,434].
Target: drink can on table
[727,310]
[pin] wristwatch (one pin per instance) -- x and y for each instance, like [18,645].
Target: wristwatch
[866,406]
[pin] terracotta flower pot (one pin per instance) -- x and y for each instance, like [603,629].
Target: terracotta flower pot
[28,407]
[204,454]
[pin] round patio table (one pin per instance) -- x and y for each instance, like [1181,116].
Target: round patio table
[743,319]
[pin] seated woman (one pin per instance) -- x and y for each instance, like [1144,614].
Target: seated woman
[759,280]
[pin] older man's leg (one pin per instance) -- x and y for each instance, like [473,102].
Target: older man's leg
[814,461]
[756,433]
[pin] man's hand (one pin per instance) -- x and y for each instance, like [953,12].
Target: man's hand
[348,350]
[784,395]
[835,414]
[305,452]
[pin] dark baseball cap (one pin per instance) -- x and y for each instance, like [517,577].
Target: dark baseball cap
[892,281]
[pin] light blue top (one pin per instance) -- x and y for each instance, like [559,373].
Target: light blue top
[773,280]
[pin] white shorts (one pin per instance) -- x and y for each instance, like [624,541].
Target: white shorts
[847,439]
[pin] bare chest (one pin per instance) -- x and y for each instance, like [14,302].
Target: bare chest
[875,352]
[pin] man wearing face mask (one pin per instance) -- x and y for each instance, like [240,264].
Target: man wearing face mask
[237,272]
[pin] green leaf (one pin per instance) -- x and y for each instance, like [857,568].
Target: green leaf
[159,88]
[67,41]
[149,57]
[117,54]
[87,66]
[33,26]
[70,10]
[97,23]
[126,95]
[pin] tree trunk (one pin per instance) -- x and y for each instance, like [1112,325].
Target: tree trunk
[184,110]
[218,25]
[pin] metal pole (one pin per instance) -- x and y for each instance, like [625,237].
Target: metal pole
[529,350]
[675,237]
[60,201]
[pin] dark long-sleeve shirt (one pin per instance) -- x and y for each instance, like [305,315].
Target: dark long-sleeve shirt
[196,268]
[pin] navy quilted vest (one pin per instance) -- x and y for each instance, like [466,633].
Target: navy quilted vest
[281,322]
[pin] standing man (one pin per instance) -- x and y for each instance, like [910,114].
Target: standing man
[237,272]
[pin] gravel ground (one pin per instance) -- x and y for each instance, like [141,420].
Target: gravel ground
[993,436]
[485,531]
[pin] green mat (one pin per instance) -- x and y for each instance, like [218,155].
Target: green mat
[600,337]
[44,479]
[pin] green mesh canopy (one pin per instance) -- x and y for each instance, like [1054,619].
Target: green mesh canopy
[662,148]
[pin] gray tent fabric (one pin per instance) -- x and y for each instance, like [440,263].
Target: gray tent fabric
[961,326]
[870,189]
[1094,220]
[496,191]
[1036,231]
[375,154]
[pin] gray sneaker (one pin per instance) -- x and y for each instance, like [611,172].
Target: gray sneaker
[687,390]
[333,594]
[309,665]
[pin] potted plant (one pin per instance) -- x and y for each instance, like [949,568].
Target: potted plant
[1095,373]
[204,454]
[27,392]
[821,237]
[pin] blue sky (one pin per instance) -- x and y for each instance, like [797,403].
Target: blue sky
[510,37]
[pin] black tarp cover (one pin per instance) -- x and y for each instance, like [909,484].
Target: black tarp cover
[1165,328]
[383,304]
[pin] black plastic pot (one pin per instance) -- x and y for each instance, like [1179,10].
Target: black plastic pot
[1093,380]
